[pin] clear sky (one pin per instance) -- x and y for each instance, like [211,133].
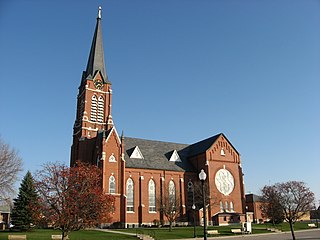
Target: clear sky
[182,71]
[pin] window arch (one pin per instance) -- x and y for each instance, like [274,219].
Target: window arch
[231,207]
[221,206]
[130,195]
[152,196]
[112,184]
[172,192]
[112,158]
[100,109]
[93,115]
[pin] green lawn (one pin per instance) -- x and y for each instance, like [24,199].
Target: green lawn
[187,232]
[45,234]
[158,233]
[286,227]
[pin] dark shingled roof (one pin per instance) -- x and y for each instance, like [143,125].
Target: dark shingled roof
[156,155]
[202,146]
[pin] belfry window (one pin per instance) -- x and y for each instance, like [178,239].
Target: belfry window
[112,184]
[130,195]
[152,196]
[93,115]
[100,109]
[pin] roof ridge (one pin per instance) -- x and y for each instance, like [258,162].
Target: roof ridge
[160,141]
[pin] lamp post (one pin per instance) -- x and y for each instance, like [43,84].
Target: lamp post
[194,219]
[202,177]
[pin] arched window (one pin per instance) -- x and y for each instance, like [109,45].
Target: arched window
[221,206]
[112,158]
[172,192]
[152,196]
[226,206]
[231,207]
[130,195]
[100,109]
[112,184]
[93,115]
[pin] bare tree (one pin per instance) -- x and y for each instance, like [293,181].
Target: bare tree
[270,207]
[295,199]
[10,166]
[170,207]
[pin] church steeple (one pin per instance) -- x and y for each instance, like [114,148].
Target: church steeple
[96,56]
[94,103]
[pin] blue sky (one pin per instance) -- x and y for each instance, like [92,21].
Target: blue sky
[181,71]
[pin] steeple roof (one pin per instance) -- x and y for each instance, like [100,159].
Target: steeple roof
[96,56]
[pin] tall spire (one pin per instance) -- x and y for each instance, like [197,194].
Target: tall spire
[96,56]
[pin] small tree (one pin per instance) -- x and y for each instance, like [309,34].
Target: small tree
[270,207]
[72,198]
[295,200]
[24,205]
[10,166]
[170,207]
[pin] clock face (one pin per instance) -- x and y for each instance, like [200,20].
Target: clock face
[224,181]
[98,84]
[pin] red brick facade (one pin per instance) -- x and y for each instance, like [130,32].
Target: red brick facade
[96,141]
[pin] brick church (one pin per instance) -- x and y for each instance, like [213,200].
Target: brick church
[140,173]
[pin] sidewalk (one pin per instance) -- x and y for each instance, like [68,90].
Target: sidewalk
[114,231]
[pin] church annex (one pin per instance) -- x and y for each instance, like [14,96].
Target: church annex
[140,173]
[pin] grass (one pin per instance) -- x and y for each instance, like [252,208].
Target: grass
[285,227]
[158,233]
[45,234]
[187,232]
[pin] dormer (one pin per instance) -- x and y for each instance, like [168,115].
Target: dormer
[175,157]
[136,153]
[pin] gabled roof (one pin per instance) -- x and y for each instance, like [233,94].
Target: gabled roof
[96,56]
[156,155]
[204,145]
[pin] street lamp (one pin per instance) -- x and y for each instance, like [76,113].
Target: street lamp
[202,177]
[194,219]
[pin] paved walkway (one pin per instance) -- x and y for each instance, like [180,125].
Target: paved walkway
[114,231]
